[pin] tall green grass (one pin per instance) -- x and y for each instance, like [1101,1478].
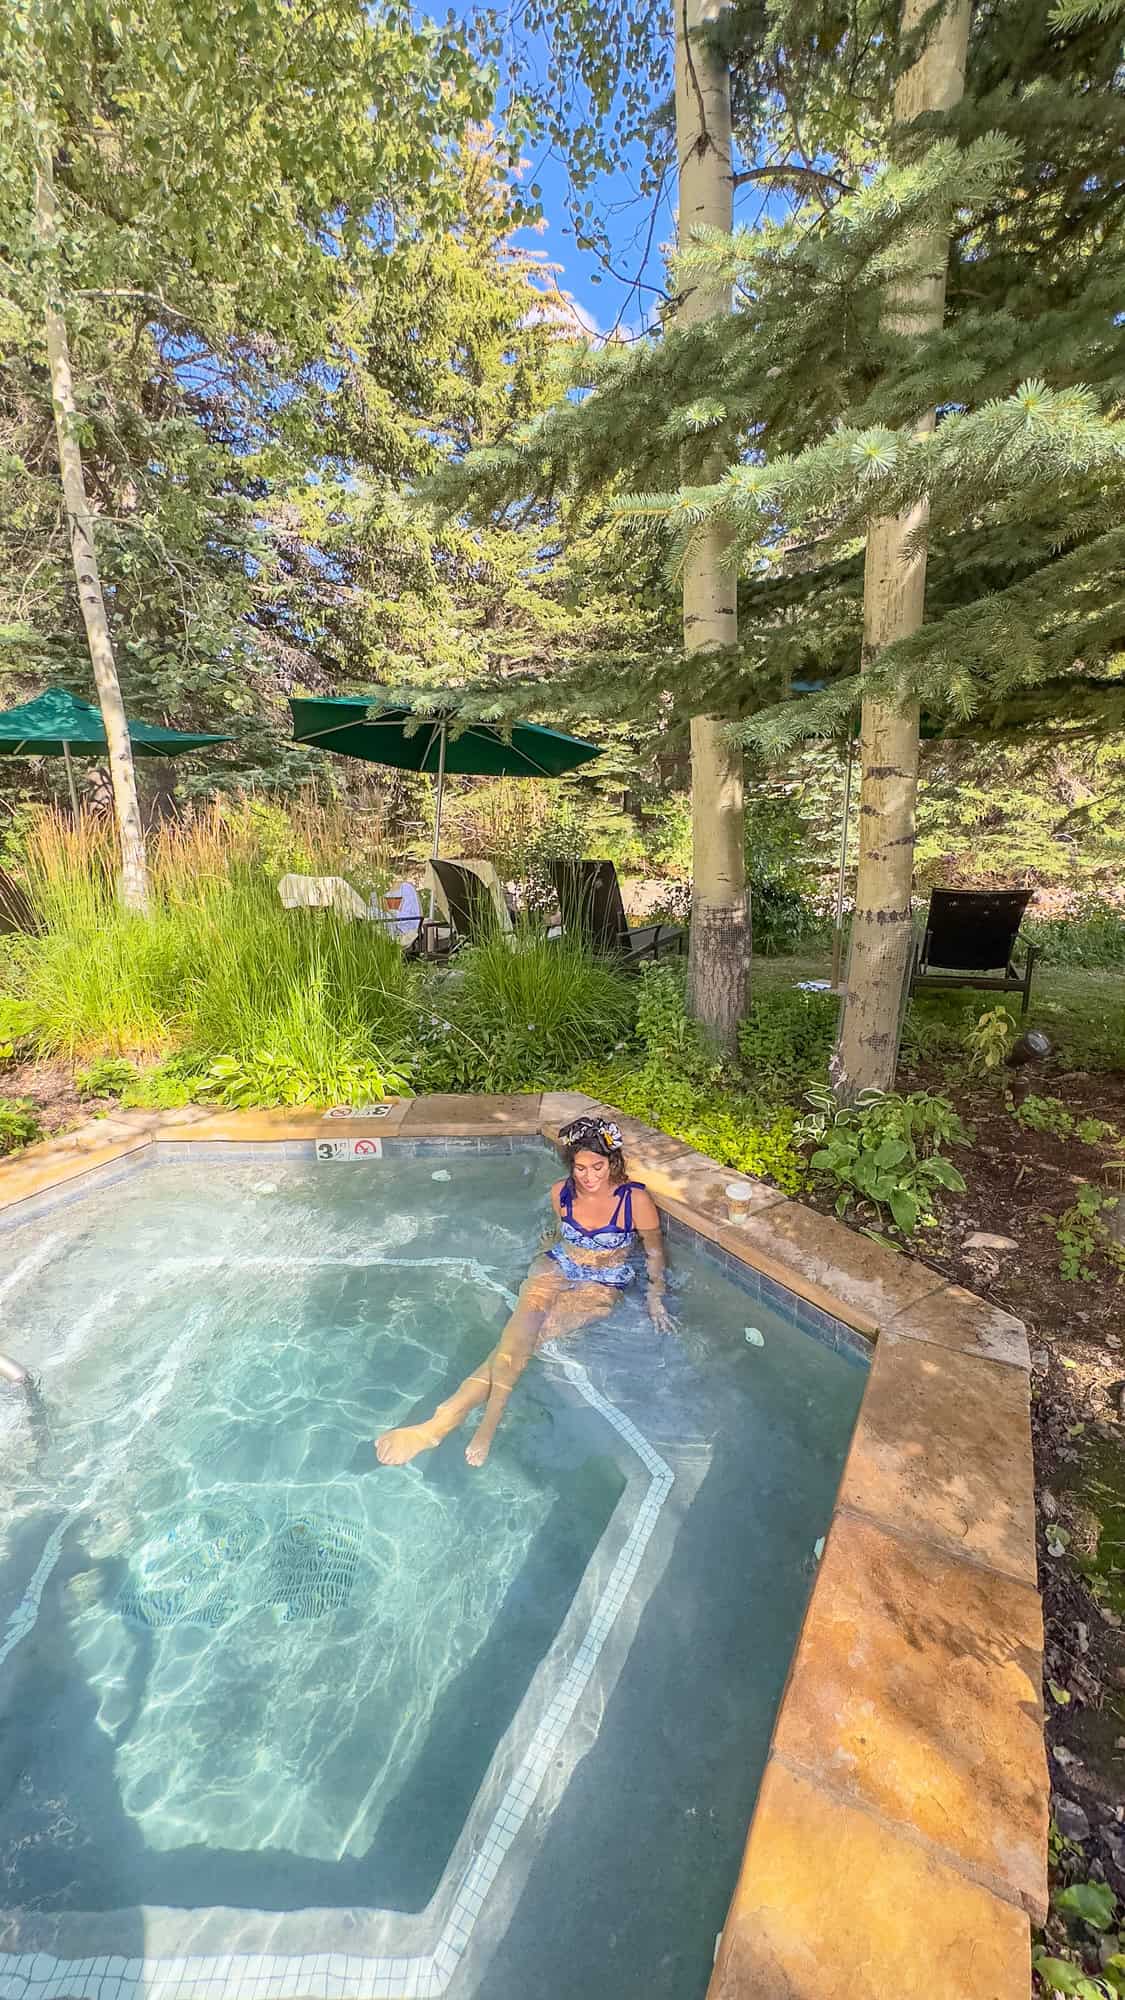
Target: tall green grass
[522,1013]
[217,970]
[257,1004]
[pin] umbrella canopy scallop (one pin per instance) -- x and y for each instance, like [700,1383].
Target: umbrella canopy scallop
[57,723]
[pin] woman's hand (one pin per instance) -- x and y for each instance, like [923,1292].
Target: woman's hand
[657,1310]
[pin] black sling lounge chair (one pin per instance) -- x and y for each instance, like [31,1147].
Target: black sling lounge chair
[473,914]
[590,904]
[970,939]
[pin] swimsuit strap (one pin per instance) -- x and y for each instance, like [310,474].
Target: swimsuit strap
[622,1217]
[625,1193]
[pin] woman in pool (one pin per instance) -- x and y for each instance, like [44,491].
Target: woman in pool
[598,1213]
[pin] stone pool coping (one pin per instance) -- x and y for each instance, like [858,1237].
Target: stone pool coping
[898,1843]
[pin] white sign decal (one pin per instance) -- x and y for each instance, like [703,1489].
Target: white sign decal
[349,1149]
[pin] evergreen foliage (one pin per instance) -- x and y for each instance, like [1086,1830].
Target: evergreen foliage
[807,389]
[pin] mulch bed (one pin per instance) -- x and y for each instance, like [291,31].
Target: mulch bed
[50,1086]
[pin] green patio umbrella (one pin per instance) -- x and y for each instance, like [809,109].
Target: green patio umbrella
[56,723]
[410,739]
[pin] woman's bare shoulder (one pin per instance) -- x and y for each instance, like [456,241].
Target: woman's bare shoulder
[645,1213]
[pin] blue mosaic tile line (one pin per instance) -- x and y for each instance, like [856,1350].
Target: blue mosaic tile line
[419,1148]
[809,1319]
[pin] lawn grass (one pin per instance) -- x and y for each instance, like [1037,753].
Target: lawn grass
[1081,1010]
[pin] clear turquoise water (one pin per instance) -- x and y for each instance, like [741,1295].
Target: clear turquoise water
[249,1670]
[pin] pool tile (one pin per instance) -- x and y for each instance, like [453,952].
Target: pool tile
[955,1318]
[942,1448]
[834,1902]
[915,1691]
[844,1273]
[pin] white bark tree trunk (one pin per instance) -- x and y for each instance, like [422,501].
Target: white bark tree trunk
[134,871]
[894,590]
[720,927]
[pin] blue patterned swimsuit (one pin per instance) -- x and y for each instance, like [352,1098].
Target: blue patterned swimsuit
[616,1234]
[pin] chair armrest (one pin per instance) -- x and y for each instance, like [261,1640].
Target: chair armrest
[669,937]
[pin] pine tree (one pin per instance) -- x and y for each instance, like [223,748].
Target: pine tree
[811,391]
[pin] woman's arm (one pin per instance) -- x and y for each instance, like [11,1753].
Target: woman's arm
[550,1232]
[647,1223]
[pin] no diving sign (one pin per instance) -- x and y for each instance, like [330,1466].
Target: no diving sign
[349,1149]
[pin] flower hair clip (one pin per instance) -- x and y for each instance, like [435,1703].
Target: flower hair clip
[601,1132]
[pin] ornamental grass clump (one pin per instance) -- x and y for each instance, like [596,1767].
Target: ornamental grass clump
[300,1005]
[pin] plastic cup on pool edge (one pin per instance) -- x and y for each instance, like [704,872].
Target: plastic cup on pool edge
[739,1196]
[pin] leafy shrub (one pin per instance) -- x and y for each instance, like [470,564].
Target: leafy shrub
[886,1150]
[521,1015]
[673,1043]
[269,1076]
[1094,936]
[988,1039]
[786,1039]
[166,1087]
[19,1123]
[1083,1238]
[1092,1910]
[737,1130]
[784,918]
[15,1025]
[1049,1114]
[107,1076]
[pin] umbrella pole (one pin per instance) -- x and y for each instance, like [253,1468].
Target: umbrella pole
[70,780]
[436,849]
[838,927]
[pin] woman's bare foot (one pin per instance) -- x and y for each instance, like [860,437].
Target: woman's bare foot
[399,1447]
[478,1447]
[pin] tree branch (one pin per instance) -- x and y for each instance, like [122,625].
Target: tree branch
[802,175]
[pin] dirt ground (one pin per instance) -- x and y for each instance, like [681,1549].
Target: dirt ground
[50,1087]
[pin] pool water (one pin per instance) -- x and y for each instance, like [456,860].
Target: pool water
[264,1703]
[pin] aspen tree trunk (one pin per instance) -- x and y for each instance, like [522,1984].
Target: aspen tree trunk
[894,589]
[134,871]
[720,928]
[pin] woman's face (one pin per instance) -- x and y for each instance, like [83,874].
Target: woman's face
[591,1172]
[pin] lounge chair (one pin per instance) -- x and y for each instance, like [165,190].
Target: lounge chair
[590,903]
[970,939]
[322,892]
[471,899]
[400,913]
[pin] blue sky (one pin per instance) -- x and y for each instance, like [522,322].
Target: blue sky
[625,293]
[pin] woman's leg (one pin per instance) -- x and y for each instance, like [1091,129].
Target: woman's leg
[538,1293]
[573,1306]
